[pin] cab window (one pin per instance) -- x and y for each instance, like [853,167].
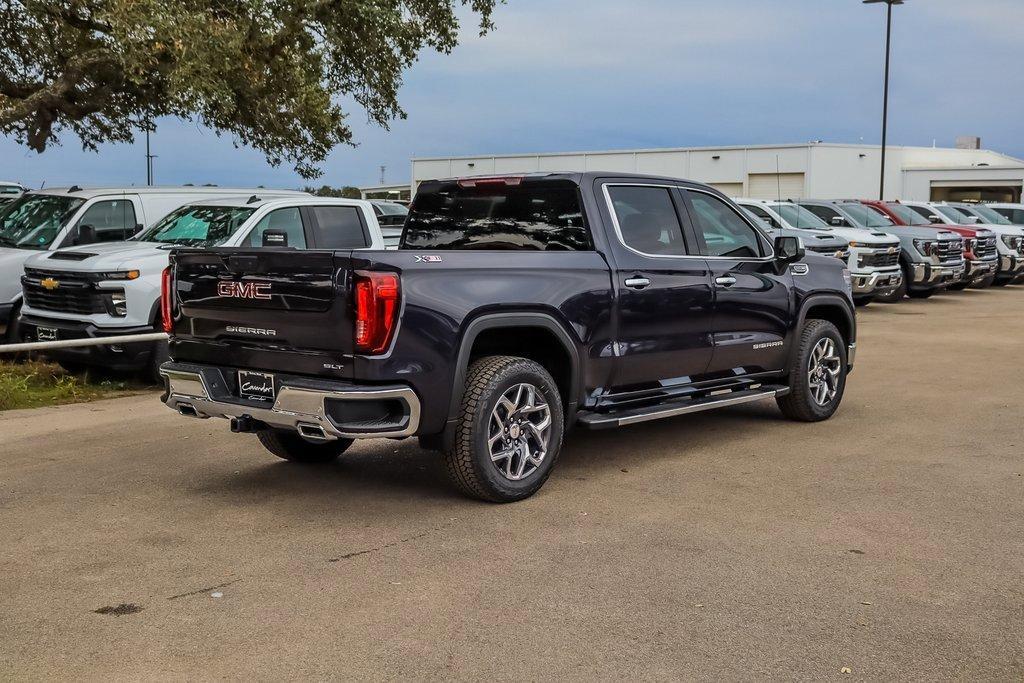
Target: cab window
[725,232]
[287,220]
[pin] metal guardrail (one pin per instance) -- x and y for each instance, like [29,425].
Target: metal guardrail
[73,343]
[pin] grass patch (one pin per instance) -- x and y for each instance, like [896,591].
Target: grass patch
[32,384]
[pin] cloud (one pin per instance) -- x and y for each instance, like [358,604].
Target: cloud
[560,75]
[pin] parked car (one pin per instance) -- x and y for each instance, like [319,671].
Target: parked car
[1011,237]
[105,290]
[1012,212]
[818,241]
[981,258]
[391,216]
[10,191]
[47,220]
[931,257]
[516,307]
[874,255]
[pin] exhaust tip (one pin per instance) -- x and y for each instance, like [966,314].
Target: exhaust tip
[187,409]
[312,432]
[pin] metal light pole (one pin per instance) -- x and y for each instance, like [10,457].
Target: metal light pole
[885,96]
[149,157]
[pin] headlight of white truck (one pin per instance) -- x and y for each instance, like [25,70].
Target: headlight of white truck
[120,275]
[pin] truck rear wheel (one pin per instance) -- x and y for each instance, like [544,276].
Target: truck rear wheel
[921,293]
[291,446]
[509,432]
[817,378]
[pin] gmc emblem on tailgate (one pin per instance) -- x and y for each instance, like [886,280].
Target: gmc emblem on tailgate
[244,290]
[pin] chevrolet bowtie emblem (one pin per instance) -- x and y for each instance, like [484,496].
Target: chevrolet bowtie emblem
[49,283]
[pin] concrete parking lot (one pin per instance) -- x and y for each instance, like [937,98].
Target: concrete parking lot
[887,542]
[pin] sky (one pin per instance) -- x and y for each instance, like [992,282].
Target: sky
[572,75]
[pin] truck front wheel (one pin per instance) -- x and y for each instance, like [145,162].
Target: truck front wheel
[509,432]
[817,378]
[291,446]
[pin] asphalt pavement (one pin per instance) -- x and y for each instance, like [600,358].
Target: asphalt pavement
[885,543]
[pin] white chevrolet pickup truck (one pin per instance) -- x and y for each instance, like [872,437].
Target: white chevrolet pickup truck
[113,289]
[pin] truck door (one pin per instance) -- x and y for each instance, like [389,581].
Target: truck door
[663,288]
[753,302]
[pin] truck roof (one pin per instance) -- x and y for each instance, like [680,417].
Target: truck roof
[90,192]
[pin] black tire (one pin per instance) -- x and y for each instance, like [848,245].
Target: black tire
[921,293]
[958,286]
[12,335]
[863,300]
[468,461]
[291,446]
[984,283]
[159,355]
[1001,281]
[799,404]
[72,367]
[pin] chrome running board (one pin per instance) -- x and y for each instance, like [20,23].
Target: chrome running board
[674,408]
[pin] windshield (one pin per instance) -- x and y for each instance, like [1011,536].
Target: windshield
[197,226]
[867,217]
[799,217]
[33,221]
[908,215]
[391,209]
[954,215]
[990,215]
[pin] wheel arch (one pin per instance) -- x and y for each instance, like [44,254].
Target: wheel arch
[835,310]
[482,336]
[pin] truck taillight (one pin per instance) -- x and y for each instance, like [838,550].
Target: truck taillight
[165,301]
[377,296]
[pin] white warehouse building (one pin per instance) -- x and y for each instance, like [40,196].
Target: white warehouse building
[810,170]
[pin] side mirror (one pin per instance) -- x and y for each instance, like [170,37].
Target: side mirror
[788,249]
[837,220]
[86,235]
[136,230]
[935,219]
[275,238]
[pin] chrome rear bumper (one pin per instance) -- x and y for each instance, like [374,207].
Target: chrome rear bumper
[303,409]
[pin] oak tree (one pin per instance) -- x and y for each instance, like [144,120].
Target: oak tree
[270,73]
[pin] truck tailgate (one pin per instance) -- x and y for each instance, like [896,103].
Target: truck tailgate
[285,310]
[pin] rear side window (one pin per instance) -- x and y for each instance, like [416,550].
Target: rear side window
[287,220]
[338,227]
[503,215]
[647,219]
[725,232]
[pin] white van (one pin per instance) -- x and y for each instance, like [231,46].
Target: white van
[103,290]
[46,220]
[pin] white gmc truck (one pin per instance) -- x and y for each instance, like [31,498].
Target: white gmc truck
[102,290]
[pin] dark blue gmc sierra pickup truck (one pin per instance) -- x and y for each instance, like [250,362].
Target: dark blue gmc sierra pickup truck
[515,308]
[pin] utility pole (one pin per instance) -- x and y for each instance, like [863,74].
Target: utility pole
[885,93]
[382,169]
[149,157]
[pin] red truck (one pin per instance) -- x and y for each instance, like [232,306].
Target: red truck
[980,255]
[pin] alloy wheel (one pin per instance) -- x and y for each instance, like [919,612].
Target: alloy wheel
[519,431]
[823,371]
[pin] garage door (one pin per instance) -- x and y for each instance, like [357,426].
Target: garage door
[729,189]
[776,185]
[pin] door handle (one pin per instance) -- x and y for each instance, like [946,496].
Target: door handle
[637,282]
[725,281]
